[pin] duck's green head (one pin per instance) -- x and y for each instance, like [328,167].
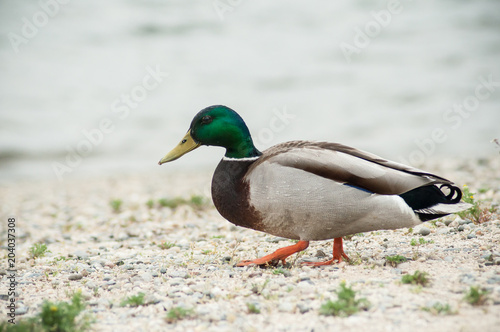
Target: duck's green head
[216,125]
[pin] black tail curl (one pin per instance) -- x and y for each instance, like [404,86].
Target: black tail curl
[422,198]
[453,191]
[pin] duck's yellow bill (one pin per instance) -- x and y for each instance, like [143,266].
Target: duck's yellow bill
[187,144]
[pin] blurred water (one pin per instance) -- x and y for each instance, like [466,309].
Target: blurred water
[261,59]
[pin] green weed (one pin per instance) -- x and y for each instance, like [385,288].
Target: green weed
[116,205]
[420,241]
[476,213]
[279,270]
[133,300]
[218,236]
[196,202]
[38,250]
[346,304]
[60,317]
[440,309]
[417,278]
[253,308]
[177,313]
[476,296]
[395,260]
[171,203]
[166,245]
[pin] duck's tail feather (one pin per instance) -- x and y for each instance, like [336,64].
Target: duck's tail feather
[430,202]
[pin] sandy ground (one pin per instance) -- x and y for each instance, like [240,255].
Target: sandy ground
[111,255]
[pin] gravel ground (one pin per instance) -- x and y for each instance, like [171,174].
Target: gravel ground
[110,255]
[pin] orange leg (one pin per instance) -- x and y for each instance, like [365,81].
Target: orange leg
[338,254]
[279,255]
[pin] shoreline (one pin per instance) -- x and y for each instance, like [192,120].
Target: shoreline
[110,255]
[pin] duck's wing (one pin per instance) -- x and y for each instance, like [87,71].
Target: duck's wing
[350,166]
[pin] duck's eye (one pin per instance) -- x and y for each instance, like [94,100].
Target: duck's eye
[206,119]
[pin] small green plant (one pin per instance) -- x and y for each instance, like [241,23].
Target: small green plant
[177,313]
[170,203]
[440,309]
[395,260]
[196,202]
[424,241]
[150,203]
[355,259]
[61,258]
[166,245]
[206,252]
[483,190]
[421,241]
[133,300]
[253,308]
[116,205]
[218,236]
[346,304]
[476,213]
[38,250]
[417,278]
[279,270]
[476,296]
[60,317]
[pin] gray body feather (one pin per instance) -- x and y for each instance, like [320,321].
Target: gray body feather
[319,191]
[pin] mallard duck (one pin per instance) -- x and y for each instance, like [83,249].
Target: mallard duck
[310,191]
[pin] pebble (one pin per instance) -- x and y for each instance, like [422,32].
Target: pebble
[286,306]
[91,284]
[21,310]
[461,228]
[320,254]
[146,277]
[424,231]
[494,280]
[471,236]
[80,254]
[467,278]
[303,308]
[76,276]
